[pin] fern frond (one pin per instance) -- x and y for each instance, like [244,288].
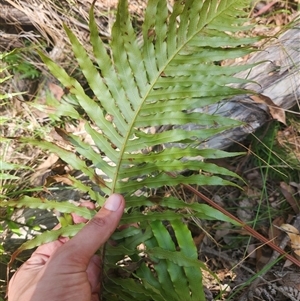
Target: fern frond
[143,87]
[170,79]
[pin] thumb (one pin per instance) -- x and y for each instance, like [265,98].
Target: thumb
[96,232]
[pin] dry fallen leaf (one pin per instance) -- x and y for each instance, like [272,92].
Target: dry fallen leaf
[59,179]
[275,231]
[288,192]
[38,177]
[56,90]
[294,235]
[289,139]
[275,111]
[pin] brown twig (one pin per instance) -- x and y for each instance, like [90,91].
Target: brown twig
[264,9]
[243,225]
[246,227]
[272,259]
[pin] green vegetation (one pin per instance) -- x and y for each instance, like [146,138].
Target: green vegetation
[130,86]
[17,64]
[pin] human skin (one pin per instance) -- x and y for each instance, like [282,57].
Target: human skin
[68,269]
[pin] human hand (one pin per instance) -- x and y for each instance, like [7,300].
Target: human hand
[68,269]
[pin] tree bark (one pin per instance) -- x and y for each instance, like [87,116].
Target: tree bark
[276,75]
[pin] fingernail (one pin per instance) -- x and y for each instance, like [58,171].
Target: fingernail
[113,202]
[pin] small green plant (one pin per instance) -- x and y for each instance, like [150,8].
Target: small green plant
[17,64]
[8,176]
[5,167]
[275,160]
[9,172]
[5,67]
[136,87]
